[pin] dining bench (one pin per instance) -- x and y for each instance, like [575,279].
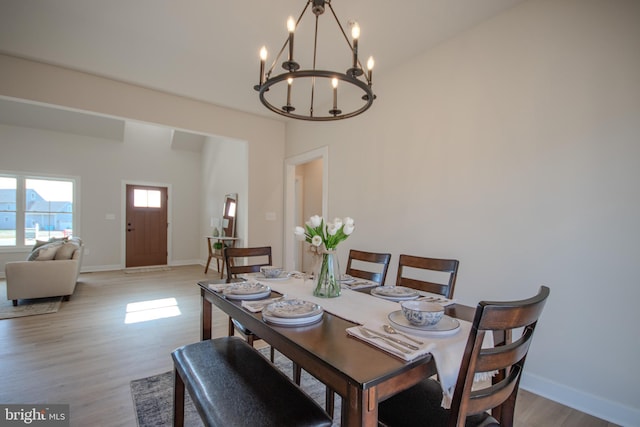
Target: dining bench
[232,384]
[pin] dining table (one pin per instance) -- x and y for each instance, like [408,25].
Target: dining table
[360,372]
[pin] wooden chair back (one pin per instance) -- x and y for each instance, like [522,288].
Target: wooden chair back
[507,357]
[256,257]
[368,257]
[449,266]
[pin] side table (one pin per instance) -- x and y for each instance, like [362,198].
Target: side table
[219,254]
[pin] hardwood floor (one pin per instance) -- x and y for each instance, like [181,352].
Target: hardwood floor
[86,355]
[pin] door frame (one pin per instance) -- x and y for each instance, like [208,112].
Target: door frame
[123,219]
[290,164]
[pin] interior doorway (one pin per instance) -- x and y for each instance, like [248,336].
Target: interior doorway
[146,225]
[306,194]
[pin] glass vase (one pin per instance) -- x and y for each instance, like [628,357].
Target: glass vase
[328,276]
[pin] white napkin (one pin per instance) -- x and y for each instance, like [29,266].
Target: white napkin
[218,287]
[382,344]
[257,306]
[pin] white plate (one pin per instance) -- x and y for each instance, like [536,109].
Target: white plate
[292,308]
[446,326]
[247,297]
[296,321]
[283,276]
[247,290]
[347,279]
[395,293]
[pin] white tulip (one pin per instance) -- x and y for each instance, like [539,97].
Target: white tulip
[332,229]
[337,222]
[316,240]
[315,221]
[300,233]
[349,221]
[348,229]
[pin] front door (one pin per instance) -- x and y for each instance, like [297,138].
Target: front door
[146,226]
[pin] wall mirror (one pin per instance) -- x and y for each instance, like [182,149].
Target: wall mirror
[229,215]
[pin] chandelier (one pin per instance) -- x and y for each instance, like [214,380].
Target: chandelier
[296,92]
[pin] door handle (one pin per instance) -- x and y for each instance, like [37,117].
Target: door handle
[130,229]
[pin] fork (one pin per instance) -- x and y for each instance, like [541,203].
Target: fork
[391,343]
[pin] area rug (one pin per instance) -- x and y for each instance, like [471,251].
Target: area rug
[27,307]
[153,397]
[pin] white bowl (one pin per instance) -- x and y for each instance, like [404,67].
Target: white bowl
[422,313]
[271,272]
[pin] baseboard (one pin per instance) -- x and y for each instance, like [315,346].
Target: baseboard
[96,268]
[186,262]
[114,267]
[612,412]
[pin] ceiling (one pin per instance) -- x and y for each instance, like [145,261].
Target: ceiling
[208,49]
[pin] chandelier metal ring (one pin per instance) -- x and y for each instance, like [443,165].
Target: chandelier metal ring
[367,96]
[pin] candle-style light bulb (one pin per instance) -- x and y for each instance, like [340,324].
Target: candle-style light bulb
[291,27]
[334,111]
[355,31]
[290,82]
[263,58]
[355,34]
[334,83]
[370,64]
[289,108]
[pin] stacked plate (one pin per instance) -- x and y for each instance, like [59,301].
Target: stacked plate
[445,327]
[246,291]
[292,312]
[347,279]
[282,276]
[395,293]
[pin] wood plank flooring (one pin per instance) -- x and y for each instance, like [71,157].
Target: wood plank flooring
[86,355]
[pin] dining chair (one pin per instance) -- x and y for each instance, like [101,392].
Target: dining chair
[254,258]
[363,258]
[421,404]
[449,267]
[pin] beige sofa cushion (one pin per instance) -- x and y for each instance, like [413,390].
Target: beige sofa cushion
[45,252]
[66,250]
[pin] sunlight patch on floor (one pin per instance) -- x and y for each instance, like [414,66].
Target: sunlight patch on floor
[145,311]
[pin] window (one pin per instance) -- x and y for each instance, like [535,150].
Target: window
[146,198]
[35,208]
[8,187]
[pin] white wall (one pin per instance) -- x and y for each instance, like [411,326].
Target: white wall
[225,170]
[515,148]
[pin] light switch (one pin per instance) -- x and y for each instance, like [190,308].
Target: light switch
[110,216]
[270,216]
